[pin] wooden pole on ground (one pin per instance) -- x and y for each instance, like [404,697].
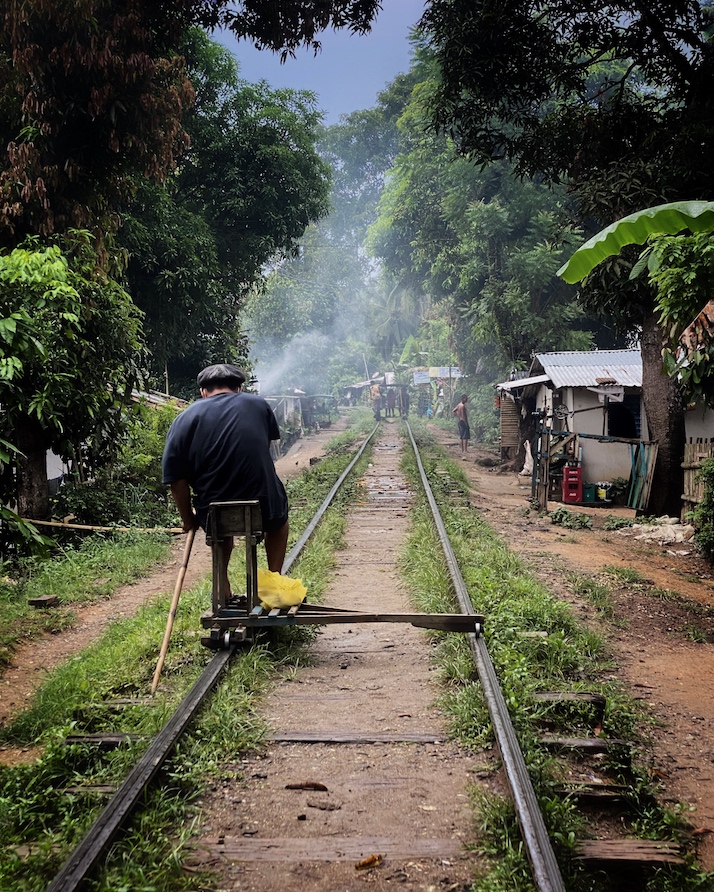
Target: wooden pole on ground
[172,611]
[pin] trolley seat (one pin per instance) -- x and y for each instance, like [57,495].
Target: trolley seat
[235,620]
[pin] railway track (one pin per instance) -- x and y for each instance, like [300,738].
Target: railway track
[334,753]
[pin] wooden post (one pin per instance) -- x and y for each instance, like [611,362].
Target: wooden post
[172,611]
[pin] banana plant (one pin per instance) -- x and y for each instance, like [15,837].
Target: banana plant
[635,229]
[680,265]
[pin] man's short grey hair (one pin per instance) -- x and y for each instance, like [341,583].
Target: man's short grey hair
[220,375]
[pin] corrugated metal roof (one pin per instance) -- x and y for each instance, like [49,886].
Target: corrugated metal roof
[588,369]
[523,382]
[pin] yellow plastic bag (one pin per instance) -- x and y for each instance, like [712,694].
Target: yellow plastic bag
[275,590]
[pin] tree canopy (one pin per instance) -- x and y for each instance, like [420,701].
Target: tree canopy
[564,88]
[92,94]
[481,242]
[94,115]
[245,191]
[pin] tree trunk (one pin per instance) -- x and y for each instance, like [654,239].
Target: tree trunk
[33,499]
[665,419]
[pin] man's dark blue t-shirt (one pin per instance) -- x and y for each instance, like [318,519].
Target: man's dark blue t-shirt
[221,446]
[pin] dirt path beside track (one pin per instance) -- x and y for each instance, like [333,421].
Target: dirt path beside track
[661,634]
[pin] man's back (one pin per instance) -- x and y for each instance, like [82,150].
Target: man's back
[221,446]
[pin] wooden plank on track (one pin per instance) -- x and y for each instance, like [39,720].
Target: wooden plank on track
[629,851]
[597,794]
[328,848]
[571,696]
[104,741]
[584,744]
[353,737]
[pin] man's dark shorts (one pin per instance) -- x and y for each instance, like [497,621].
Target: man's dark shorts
[464,431]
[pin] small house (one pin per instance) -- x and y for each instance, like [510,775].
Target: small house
[595,396]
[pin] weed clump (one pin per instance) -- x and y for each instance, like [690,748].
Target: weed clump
[702,517]
[562,517]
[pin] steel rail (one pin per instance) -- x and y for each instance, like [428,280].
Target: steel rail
[546,872]
[309,529]
[85,856]
[83,859]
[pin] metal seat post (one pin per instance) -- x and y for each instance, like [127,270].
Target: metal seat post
[227,519]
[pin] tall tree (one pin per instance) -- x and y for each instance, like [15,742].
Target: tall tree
[246,189]
[322,305]
[69,339]
[92,98]
[614,100]
[360,150]
[92,93]
[481,242]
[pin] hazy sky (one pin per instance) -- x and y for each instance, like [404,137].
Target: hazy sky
[349,71]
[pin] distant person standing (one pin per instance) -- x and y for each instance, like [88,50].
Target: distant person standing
[375,394]
[404,402]
[463,416]
[391,402]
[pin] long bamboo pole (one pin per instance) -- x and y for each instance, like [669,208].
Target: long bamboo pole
[172,611]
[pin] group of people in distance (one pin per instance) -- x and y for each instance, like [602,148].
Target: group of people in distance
[389,398]
[400,395]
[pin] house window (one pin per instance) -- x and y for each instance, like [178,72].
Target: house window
[623,419]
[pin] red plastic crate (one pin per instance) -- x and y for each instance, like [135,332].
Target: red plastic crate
[572,485]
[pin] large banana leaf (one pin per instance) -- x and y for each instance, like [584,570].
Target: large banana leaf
[664,219]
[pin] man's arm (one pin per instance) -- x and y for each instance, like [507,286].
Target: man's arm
[182,496]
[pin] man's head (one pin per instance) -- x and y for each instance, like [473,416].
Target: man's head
[220,377]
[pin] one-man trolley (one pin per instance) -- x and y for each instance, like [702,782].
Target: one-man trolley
[237,618]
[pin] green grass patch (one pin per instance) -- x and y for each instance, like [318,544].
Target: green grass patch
[595,592]
[625,575]
[76,575]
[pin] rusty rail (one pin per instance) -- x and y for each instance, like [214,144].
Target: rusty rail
[84,858]
[546,872]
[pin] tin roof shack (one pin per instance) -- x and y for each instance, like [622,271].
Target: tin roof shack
[288,413]
[596,395]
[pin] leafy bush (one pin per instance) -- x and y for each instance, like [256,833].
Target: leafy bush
[129,491]
[564,518]
[617,523]
[483,415]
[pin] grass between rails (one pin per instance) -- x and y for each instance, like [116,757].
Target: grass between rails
[536,644]
[42,819]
